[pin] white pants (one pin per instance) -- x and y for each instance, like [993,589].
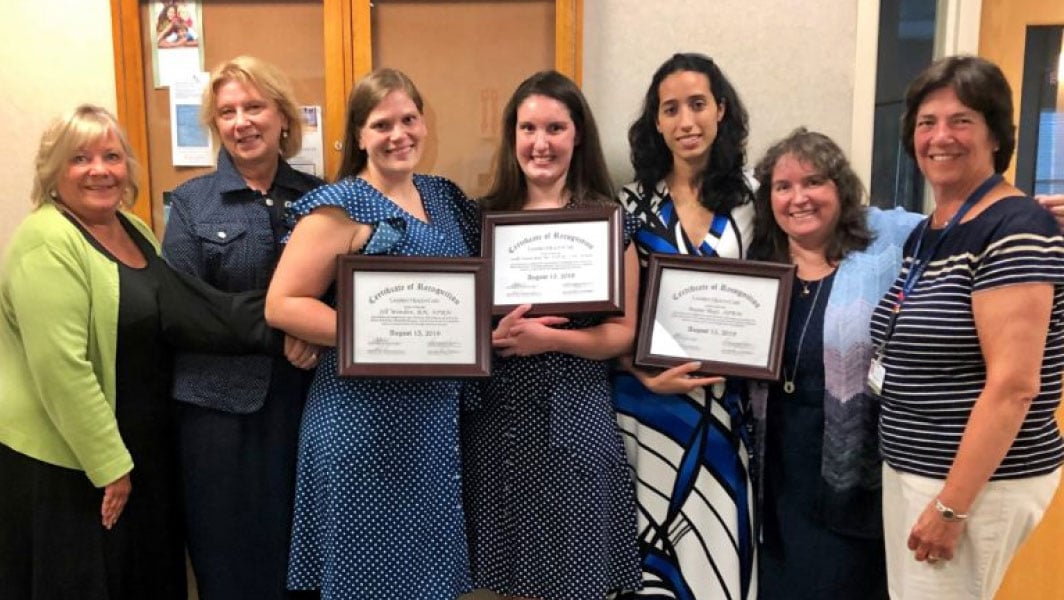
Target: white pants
[1000,519]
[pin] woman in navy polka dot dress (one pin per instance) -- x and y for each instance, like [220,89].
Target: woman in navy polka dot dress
[378,510]
[549,498]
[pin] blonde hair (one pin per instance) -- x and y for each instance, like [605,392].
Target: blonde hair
[270,82]
[64,138]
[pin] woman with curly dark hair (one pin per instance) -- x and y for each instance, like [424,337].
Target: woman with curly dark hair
[822,533]
[685,435]
[816,429]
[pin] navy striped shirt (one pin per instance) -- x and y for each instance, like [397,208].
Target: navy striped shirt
[934,366]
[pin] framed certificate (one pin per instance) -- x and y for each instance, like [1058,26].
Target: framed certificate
[729,314]
[412,317]
[563,261]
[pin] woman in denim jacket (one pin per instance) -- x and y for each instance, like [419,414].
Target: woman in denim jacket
[239,415]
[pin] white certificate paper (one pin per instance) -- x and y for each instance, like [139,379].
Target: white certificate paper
[547,263]
[414,317]
[715,316]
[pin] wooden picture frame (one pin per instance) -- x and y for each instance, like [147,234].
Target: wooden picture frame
[562,261]
[399,316]
[731,315]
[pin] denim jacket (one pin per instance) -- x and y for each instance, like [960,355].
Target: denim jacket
[229,235]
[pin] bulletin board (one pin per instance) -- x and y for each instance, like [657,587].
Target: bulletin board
[482,51]
[466,56]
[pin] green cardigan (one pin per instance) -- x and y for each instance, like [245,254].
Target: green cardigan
[58,342]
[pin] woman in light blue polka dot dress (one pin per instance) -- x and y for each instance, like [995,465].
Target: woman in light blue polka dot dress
[378,511]
[549,497]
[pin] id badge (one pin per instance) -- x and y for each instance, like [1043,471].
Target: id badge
[876,374]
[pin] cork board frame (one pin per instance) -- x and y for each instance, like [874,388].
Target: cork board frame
[346,24]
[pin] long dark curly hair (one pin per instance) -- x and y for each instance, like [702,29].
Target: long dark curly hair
[723,184]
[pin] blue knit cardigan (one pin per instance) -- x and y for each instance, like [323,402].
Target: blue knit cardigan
[850,469]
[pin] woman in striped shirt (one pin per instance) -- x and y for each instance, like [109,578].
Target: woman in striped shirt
[969,348]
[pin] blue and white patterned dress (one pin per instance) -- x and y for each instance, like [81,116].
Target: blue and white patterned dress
[378,510]
[688,453]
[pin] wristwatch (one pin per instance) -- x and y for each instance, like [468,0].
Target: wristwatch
[948,513]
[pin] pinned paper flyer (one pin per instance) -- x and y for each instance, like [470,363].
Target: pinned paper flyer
[311,158]
[176,30]
[190,141]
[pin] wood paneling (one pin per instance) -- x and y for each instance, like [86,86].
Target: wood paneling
[338,32]
[569,39]
[129,92]
[1037,570]
[1001,38]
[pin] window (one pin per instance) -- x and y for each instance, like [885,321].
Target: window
[1040,148]
[906,47]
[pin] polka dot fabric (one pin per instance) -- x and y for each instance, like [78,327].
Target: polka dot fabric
[378,511]
[549,498]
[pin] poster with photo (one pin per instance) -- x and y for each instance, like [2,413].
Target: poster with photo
[177,40]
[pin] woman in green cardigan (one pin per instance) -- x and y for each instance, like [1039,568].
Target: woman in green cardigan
[88,315]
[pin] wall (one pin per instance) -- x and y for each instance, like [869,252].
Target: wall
[792,62]
[785,72]
[51,58]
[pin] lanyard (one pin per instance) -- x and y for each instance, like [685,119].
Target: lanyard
[920,262]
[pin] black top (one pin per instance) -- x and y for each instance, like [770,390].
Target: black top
[144,552]
[802,557]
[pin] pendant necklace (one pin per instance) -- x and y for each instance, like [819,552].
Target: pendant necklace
[788,382]
[805,284]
